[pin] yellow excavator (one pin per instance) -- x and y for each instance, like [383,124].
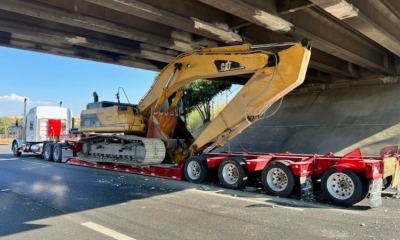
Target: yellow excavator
[152,132]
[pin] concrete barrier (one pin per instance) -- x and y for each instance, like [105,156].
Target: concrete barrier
[336,121]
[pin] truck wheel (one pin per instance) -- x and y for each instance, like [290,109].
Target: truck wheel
[342,188]
[232,173]
[15,149]
[196,169]
[278,179]
[57,152]
[48,152]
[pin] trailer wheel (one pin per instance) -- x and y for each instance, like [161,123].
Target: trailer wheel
[342,188]
[278,179]
[15,149]
[57,152]
[232,173]
[196,169]
[48,152]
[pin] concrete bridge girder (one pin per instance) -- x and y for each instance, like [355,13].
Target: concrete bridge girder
[311,23]
[151,32]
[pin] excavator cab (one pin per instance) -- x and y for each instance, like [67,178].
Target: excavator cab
[112,117]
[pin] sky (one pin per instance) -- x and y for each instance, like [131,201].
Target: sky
[48,79]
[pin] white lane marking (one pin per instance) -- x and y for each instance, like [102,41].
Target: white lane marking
[309,205]
[36,163]
[247,200]
[106,231]
[8,159]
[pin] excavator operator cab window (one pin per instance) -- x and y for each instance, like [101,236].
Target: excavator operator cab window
[122,108]
[180,107]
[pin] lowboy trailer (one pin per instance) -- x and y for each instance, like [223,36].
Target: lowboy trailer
[344,180]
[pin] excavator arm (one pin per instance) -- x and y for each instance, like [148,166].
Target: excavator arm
[274,75]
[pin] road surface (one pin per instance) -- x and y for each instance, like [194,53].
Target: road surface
[47,200]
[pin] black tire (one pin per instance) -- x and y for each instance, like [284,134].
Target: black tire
[387,182]
[232,173]
[57,152]
[48,152]
[339,190]
[366,187]
[196,169]
[282,185]
[15,149]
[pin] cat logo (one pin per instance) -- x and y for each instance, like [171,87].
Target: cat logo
[226,65]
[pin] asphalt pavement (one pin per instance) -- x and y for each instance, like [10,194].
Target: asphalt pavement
[47,200]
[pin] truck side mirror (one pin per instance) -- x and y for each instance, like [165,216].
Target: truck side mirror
[16,123]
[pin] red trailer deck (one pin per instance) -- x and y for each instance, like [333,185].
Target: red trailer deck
[345,180]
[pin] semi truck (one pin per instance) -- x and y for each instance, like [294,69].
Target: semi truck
[150,138]
[43,125]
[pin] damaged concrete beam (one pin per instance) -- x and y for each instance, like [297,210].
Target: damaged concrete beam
[54,14]
[370,17]
[320,60]
[251,14]
[328,36]
[152,13]
[332,37]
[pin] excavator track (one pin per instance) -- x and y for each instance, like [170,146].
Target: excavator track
[122,149]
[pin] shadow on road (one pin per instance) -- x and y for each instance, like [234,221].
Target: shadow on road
[33,189]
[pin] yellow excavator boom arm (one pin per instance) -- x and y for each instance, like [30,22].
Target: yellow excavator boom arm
[274,75]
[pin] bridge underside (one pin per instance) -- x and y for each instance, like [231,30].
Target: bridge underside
[352,39]
[345,102]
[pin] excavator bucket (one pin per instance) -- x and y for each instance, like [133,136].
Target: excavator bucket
[170,128]
[162,125]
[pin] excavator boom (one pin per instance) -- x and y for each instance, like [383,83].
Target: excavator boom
[274,74]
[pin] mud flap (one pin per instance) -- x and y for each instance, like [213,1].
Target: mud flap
[66,154]
[306,188]
[375,197]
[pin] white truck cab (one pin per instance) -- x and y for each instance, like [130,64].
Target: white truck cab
[42,124]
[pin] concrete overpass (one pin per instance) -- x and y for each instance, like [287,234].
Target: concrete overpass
[356,42]
[350,36]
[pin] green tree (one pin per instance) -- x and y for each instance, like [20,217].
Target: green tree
[77,122]
[5,123]
[199,95]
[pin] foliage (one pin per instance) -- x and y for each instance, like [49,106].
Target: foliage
[195,121]
[77,122]
[5,123]
[199,95]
